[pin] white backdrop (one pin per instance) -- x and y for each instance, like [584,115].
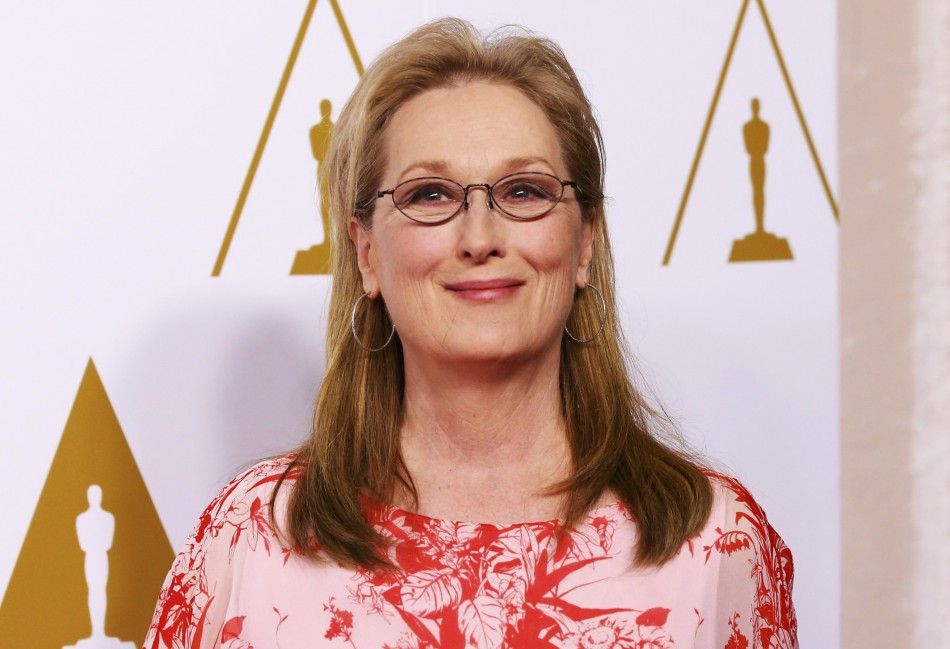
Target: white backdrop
[127,131]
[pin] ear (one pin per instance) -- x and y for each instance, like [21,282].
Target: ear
[362,238]
[587,253]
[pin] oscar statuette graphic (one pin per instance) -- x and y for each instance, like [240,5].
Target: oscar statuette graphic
[760,245]
[95,529]
[316,259]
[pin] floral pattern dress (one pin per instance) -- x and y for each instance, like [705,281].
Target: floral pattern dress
[235,586]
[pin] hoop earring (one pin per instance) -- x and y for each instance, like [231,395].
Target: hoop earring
[603,317]
[353,328]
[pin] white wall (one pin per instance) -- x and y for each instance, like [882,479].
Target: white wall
[127,130]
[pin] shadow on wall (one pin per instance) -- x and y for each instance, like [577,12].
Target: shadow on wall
[217,383]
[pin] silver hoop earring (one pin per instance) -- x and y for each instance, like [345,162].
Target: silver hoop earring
[353,328]
[603,317]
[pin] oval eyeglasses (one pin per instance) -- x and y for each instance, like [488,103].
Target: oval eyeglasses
[432,200]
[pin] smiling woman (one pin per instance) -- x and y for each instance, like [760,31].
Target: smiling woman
[476,373]
[508,265]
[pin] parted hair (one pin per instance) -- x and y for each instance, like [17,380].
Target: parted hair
[618,440]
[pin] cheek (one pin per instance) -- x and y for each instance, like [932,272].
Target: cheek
[553,254]
[553,251]
[404,260]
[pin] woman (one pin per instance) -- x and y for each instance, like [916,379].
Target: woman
[476,373]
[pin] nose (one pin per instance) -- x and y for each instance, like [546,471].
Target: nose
[487,188]
[480,233]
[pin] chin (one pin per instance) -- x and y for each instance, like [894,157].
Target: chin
[488,348]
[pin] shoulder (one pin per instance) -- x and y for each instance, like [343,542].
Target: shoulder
[198,586]
[255,483]
[736,514]
[755,567]
[733,500]
[260,478]
[243,503]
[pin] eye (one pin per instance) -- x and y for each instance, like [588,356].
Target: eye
[528,188]
[525,191]
[426,192]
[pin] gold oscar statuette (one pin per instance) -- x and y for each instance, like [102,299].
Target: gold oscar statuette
[759,245]
[316,259]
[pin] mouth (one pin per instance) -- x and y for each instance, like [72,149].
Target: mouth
[485,290]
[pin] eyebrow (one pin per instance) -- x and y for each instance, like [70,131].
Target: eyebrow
[441,166]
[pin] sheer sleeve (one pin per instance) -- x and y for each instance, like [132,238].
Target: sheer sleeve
[194,597]
[754,606]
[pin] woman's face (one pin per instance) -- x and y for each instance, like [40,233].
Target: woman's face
[477,132]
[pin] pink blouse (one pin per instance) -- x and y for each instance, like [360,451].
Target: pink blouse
[234,585]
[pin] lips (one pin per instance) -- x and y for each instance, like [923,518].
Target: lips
[482,285]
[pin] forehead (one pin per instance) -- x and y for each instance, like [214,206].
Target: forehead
[473,129]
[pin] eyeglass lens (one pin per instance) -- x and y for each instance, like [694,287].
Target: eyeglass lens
[522,196]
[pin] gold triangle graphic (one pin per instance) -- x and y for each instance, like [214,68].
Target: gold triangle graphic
[68,584]
[712,111]
[272,116]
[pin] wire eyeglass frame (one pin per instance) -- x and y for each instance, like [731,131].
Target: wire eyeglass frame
[492,201]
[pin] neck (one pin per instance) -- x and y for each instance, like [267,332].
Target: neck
[481,441]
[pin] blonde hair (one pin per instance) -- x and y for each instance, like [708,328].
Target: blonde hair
[354,446]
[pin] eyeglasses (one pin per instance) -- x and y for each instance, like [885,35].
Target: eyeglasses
[432,200]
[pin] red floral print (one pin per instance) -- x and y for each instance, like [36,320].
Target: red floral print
[341,623]
[773,615]
[477,585]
